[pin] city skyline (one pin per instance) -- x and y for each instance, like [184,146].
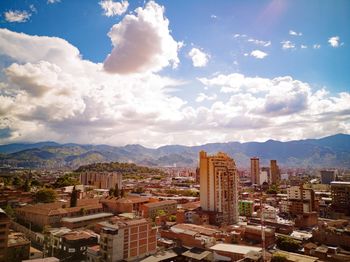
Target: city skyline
[156,72]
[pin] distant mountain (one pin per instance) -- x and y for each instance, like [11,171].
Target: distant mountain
[331,151]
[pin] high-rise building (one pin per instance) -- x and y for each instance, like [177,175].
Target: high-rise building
[327,176]
[341,196]
[275,172]
[255,170]
[104,180]
[218,187]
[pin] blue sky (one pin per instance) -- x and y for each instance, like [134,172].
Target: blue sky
[215,71]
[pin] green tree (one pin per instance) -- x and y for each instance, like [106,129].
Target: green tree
[278,258]
[116,192]
[9,211]
[74,197]
[111,191]
[46,195]
[27,185]
[288,244]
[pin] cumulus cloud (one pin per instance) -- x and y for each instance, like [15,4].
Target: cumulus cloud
[112,8]
[53,1]
[56,95]
[202,97]
[142,42]
[316,46]
[258,54]
[287,45]
[17,16]
[334,41]
[291,32]
[199,58]
[259,42]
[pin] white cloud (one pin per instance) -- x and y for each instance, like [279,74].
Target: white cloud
[112,8]
[49,92]
[316,46]
[199,58]
[258,54]
[287,45]
[334,41]
[17,16]
[303,46]
[213,16]
[259,42]
[53,1]
[291,32]
[202,97]
[142,42]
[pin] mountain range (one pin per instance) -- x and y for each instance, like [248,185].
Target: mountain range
[331,151]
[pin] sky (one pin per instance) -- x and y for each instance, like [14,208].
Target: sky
[173,72]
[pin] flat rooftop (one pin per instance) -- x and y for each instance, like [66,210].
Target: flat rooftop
[237,249]
[340,183]
[86,218]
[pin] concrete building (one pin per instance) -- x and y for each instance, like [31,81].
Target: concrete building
[218,187]
[103,180]
[18,247]
[341,196]
[128,204]
[300,200]
[275,172]
[51,214]
[82,221]
[150,210]
[246,208]
[4,231]
[127,240]
[255,170]
[327,176]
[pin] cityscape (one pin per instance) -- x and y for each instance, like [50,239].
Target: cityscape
[174,131]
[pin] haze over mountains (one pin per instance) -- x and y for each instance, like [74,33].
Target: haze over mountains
[331,151]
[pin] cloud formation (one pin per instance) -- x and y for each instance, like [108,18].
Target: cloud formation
[112,8]
[17,16]
[258,54]
[291,32]
[334,41]
[287,45]
[142,42]
[199,58]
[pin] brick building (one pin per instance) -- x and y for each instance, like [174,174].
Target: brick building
[151,210]
[4,231]
[127,240]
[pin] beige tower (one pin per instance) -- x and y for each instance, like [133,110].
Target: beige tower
[255,170]
[218,187]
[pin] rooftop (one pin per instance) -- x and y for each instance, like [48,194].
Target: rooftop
[17,239]
[294,257]
[46,259]
[160,203]
[86,218]
[237,249]
[340,183]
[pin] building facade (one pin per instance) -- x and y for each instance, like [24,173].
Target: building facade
[255,170]
[102,180]
[4,231]
[246,208]
[275,172]
[127,240]
[218,187]
[327,176]
[341,196]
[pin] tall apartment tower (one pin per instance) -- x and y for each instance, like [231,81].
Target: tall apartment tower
[218,187]
[275,172]
[255,170]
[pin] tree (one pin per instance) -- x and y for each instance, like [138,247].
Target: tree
[74,197]
[116,192]
[278,258]
[9,211]
[288,244]
[26,186]
[122,193]
[111,191]
[46,195]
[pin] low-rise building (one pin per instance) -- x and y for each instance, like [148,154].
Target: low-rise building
[151,210]
[232,252]
[82,221]
[42,215]
[127,240]
[4,231]
[18,247]
[131,204]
